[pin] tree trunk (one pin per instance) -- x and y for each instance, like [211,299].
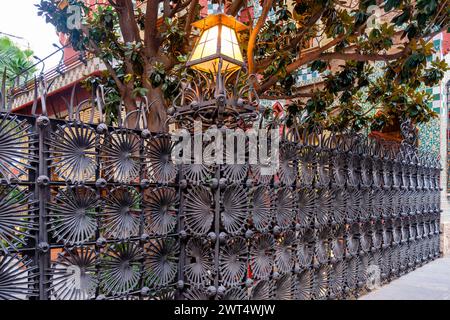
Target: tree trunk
[157,115]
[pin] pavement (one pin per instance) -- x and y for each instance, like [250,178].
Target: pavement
[429,282]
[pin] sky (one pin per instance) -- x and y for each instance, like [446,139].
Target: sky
[19,18]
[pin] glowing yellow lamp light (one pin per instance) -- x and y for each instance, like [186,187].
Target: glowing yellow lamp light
[218,42]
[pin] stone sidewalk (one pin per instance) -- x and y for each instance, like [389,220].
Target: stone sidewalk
[430,282]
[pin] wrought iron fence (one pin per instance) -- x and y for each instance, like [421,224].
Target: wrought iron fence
[97,212]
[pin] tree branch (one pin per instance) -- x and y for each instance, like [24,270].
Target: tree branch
[254,35]
[235,6]
[127,21]
[151,32]
[190,18]
[287,97]
[302,60]
[361,57]
[311,22]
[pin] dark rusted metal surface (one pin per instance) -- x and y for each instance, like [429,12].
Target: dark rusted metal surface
[96,212]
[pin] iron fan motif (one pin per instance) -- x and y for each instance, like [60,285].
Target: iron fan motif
[17,217]
[285,288]
[120,152]
[235,209]
[232,261]
[285,252]
[161,210]
[73,152]
[17,278]
[120,269]
[73,216]
[161,262]
[198,210]
[121,214]
[261,209]
[158,154]
[198,262]
[261,259]
[288,167]
[285,210]
[16,148]
[74,275]
[262,290]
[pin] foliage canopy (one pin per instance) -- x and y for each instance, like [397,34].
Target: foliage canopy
[144,45]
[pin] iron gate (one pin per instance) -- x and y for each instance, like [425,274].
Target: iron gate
[96,212]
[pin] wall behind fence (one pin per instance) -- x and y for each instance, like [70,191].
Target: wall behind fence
[95,212]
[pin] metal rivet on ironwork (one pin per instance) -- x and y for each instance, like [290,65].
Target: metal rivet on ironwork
[194,105]
[277,230]
[101,183]
[180,284]
[221,99]
[221,291]
[43,247]
[249,283]
[102,128]
[42,121]
[214,184]
[146,134]
[145,237]
[212,236]
[171,111]
[223,237]
[101,242]
[249,234]
[276,275]
[145,291]
[249,183]
[223,182]
[183,234]
[43,181]
[145,184]
[183,184]
[211,291]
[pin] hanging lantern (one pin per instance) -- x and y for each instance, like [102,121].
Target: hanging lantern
[217,46]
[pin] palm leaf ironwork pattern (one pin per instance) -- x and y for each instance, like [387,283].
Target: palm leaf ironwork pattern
[121,214]
[17,278]
[73,216]
[261,259]
[285,208]
[120,269]
[158,154]
[74,275]
[199,262]
[261,210]
[73,152]
[161,262]
[198,210]
[17,216]
[235,210]
[161,210]
[120,152]
[233,258]
[16,148]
